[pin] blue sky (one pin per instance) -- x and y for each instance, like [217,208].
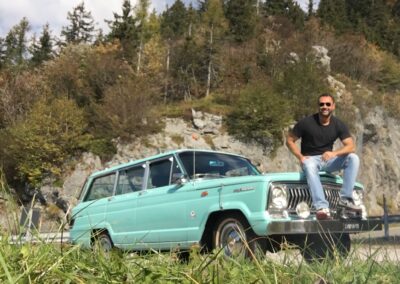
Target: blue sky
[54,12]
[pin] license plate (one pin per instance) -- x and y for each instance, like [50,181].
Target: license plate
[352,226]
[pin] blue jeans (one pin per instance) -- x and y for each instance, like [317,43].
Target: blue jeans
[314,164]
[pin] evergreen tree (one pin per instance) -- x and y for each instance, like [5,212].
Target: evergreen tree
[123,28]
[242,16]
[42,50]
[2,53]
[174,21]
[15,43]
[286,8]
[334,13]
[310,8]
[81,27]
[396,10]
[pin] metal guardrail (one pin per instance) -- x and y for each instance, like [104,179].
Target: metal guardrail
[388,219]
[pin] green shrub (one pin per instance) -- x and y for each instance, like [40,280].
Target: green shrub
[51,132]
[259,116]
[388,77]
[300,85]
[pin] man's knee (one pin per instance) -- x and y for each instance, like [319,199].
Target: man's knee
[353,159]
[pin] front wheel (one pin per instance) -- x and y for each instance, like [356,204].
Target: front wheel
[234,236]
[102,242]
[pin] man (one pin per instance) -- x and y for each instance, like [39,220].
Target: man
[318,132]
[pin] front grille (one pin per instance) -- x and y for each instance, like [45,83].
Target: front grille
[299,192]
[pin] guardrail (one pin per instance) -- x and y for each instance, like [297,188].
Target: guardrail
[388,219]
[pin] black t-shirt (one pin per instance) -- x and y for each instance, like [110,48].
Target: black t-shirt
[316,138]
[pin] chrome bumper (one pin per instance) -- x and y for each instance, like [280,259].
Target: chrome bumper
[315,226]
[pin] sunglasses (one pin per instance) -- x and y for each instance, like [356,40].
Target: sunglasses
[325,104]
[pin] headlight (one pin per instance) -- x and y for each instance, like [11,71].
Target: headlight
[303,210]
[278,198]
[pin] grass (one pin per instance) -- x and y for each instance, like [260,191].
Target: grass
[53,263]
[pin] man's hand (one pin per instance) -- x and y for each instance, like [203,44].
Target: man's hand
[328,155]
[302,159]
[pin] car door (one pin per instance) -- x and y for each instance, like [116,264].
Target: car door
[161,207]
[121,208]
[91,212]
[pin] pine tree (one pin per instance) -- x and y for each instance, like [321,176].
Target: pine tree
[15,43]
[242,16]
[286,8]
[123,28]
[42,50]
[334,13]
[2,53]
[174,21]
[310,8]
[81,28]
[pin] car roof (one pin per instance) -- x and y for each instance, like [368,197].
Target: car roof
[154,157]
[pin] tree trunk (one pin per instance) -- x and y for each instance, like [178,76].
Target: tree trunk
[210,62]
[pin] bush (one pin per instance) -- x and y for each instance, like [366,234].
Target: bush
[260,115]
[350,56]
[126,109]
[51,132]
[300,84]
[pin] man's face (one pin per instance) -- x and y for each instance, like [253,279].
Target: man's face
[326,106]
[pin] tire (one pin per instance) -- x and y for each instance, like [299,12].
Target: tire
[234,237]
[318,247]
[102,242]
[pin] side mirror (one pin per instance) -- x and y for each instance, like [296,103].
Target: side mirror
[179,179]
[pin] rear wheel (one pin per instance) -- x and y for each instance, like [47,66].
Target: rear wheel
[234,236]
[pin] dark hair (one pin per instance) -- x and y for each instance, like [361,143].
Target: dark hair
[326,95]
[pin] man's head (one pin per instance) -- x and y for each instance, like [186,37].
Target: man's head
[326,104]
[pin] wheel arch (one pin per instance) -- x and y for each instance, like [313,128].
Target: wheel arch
[96,232]
[206,238]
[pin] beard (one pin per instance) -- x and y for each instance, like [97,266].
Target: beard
[325,113]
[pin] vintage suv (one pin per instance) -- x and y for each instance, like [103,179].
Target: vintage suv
[213,199]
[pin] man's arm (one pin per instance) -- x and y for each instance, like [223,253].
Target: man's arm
[291,144]
[348,147]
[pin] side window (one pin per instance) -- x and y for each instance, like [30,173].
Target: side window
[130,180]
[101,187]
[161,172]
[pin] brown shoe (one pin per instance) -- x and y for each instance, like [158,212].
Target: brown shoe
[323,214]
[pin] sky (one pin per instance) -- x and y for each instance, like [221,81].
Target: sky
[54,12]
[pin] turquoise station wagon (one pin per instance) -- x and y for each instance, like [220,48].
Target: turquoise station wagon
[213,199]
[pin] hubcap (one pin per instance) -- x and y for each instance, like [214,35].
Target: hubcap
[231,240]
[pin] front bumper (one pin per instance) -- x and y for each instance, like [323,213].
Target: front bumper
[315,226]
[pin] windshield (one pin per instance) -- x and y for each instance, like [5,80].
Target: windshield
[214,165]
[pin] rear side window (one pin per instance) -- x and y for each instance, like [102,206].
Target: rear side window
[130,180]
[162,172]
[101,187]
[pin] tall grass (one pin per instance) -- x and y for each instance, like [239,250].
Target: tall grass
[48,263]
[43,262]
